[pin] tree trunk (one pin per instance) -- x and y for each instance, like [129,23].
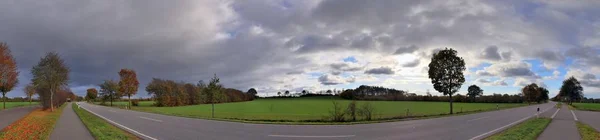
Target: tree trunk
[129,98]
[51,100]
[29,100]
[451,104]
[4,100]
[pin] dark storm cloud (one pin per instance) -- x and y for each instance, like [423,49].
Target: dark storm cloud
[97,39]
[380,70]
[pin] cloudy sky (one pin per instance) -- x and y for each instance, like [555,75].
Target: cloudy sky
[276,45]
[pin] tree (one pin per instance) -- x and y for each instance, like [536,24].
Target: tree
[29,90]
[531,93]
[109,90]
[329,91]
[474,91]
[252,92]
[91,94]
[128,84]
[287,93]
[543,97]
[50,74]
[351,110]
[446,72]
[279,93]
[571,89]
[8,71]
[212,90]
[304,92]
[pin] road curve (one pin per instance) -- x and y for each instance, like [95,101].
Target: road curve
[472,126]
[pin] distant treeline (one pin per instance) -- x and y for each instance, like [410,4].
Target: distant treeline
[171,93]
[386,94]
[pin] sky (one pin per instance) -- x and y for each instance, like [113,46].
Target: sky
[278,45]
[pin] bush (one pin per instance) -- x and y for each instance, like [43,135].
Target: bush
[135,102]
[337,114]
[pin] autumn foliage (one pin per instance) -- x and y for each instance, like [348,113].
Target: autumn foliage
[8,71]
[36,125]
[171,93]
[129,83]
[91,94]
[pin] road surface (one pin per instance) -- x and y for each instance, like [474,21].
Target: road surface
[562,126]
[473,126]
[588,117]
[69,126]
[9,116]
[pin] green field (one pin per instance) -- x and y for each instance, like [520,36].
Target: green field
[527,130]
[16,104]
[587,106]
[311,109]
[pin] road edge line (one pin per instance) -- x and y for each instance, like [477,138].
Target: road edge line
[118,125]
[574,116]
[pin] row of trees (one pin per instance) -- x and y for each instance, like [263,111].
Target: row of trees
[534,93]
[475,94]
[171,93]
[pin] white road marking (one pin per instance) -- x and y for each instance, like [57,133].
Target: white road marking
[478,118]
[511,124]
[297,136]
[575,117]
[119,125]
[150,119]
[555,114]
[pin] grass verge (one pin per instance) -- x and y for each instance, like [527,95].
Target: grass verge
[100,129]
[558,105]
[527,130]
[587,132]
[36,125]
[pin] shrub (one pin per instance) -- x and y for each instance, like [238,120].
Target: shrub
[135,102]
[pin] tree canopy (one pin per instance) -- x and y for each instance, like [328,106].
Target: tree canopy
[474,91]
[571,90]
[50,74]
[8,71]
[128,84]
[91,94]
[534,93]
[109,90]
[446,72]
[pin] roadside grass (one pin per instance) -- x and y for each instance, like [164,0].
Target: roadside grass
[558,105]
[527,130]
[100,129]
[16,104]
[587,106]
[313,110]
[587,132]
[38,124]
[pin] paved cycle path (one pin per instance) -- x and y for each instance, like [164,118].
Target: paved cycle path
[70,127]
[562,126]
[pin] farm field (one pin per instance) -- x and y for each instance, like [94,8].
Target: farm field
[312,109]
[587,106]
[16,104]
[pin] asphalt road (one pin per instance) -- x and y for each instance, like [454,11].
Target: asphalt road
[473,126]
[69,126]
[588,117]
[9,116]
[562,126]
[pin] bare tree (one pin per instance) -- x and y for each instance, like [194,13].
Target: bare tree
[367,110]
[337,114]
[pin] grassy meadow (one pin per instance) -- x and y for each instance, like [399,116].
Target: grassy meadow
[587,106]
[16,104]
[311,109]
